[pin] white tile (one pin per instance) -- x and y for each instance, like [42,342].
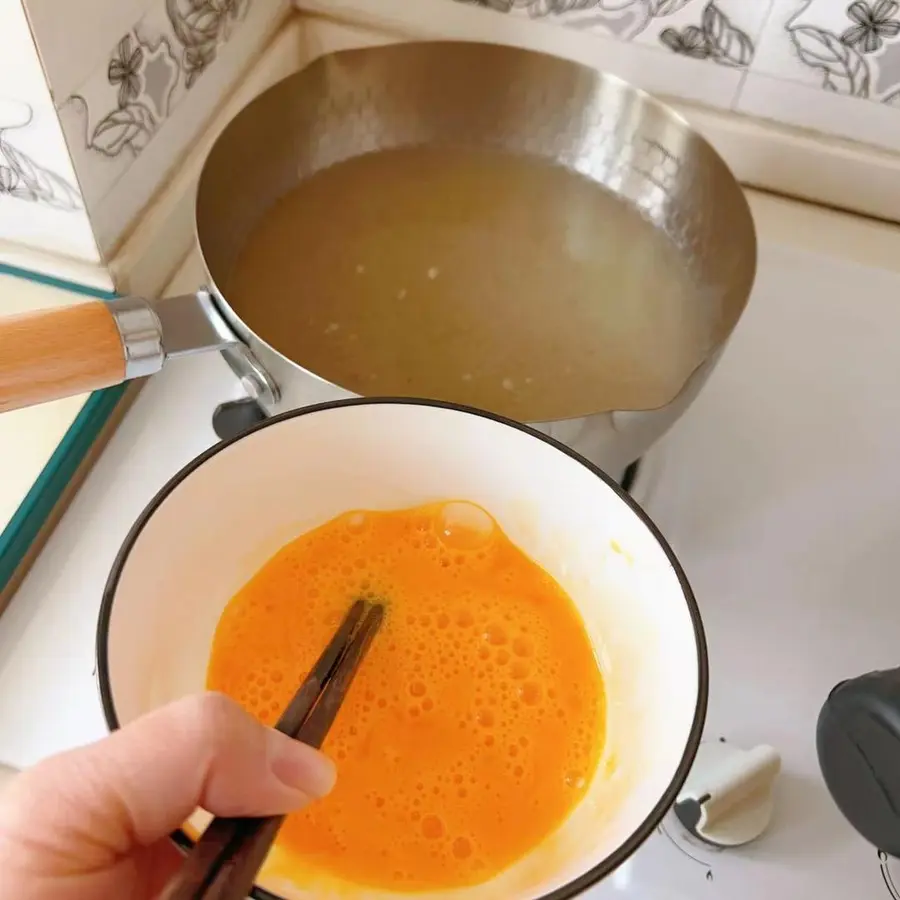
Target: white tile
[824,111]
[775,52]
[847,48]
[113,115]
[20,66]
[719,31]
[722,32]
[75,35]
[165,231]
[135,115]
[40,204]
[832,66]
[653,68]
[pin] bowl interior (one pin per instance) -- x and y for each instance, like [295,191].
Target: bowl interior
[223,516]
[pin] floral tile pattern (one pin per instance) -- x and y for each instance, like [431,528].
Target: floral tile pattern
[41,206]
[22,177]
[150,70]
[853,48]
[144,92]
[721,31]
[832,66]
[715,38]
[792,61]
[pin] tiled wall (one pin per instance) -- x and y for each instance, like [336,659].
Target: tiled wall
[134,82]
[40,205]
[828,65]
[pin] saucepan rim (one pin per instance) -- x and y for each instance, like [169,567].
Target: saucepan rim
[593,875]
[210,183]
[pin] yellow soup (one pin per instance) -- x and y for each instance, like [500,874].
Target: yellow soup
[476,720]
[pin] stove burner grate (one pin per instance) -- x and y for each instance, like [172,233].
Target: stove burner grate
[629,476]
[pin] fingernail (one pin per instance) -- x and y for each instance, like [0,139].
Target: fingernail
[301,767]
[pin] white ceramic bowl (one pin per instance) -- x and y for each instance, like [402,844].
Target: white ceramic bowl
[219,519]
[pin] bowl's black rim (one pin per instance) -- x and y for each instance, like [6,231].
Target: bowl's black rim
[645,829]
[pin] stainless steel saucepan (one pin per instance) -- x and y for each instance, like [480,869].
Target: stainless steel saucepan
[359,101]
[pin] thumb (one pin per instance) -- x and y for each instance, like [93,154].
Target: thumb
[96,803]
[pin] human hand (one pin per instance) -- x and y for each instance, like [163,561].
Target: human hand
[93,823]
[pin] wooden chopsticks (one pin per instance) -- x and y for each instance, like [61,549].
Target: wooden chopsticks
[226,859]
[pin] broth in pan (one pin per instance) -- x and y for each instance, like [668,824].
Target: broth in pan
[476,277]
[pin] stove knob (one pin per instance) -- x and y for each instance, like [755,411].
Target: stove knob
[858,742]
[727,798]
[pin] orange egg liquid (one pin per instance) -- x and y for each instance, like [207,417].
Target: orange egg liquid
[475,721]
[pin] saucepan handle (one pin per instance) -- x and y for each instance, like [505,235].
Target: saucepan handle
[58,352]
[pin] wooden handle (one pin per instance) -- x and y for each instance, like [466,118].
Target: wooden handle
[55,353]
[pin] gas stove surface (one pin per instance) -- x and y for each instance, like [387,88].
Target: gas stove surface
[779,491]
